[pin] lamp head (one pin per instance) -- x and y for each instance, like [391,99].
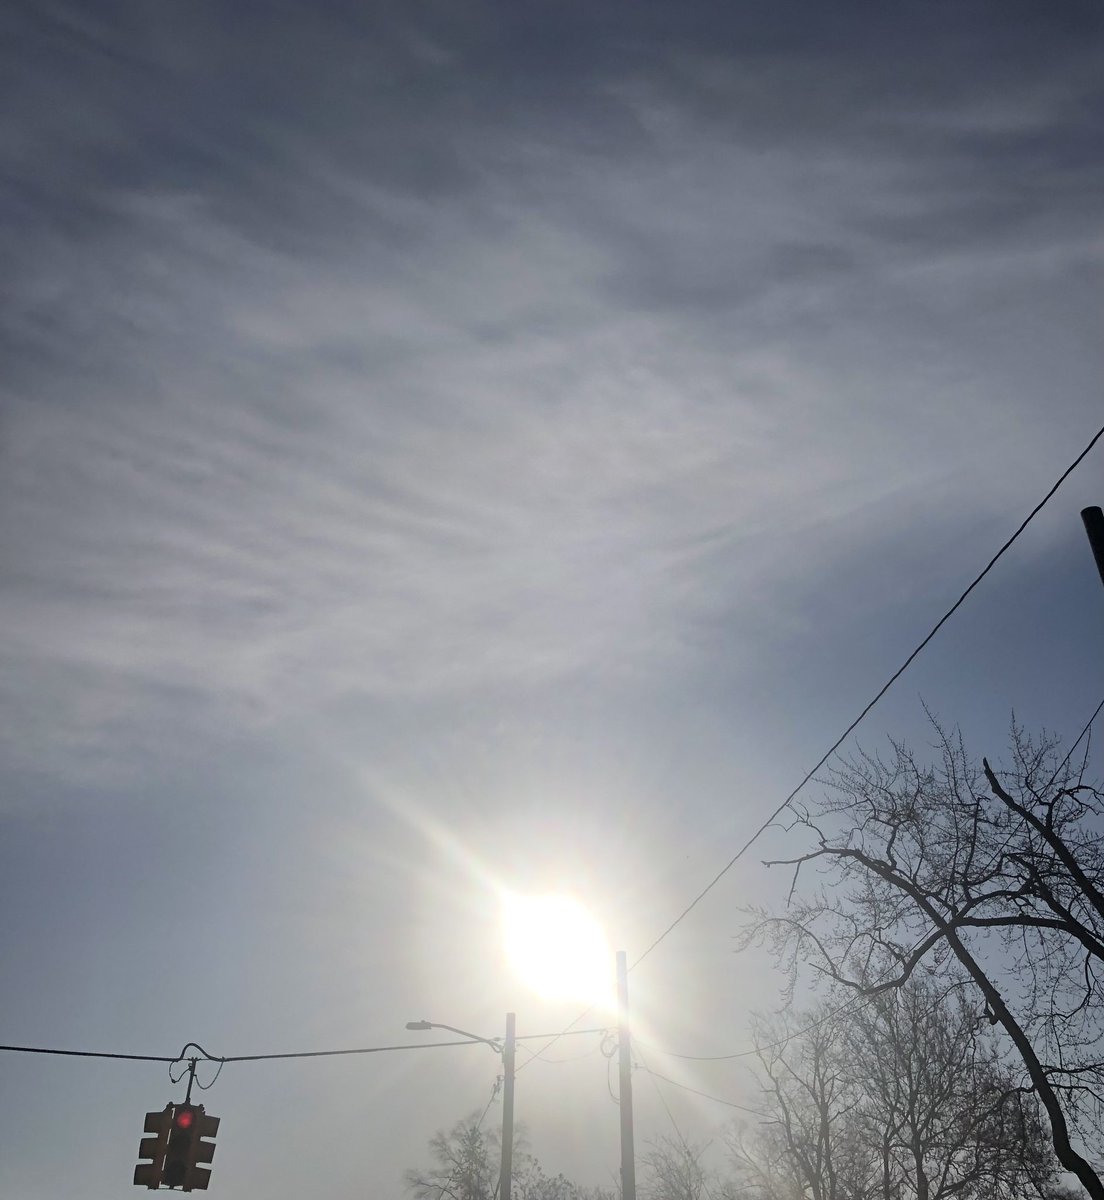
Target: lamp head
[418,1025]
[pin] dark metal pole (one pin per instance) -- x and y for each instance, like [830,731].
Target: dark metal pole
[624,1045]
[507,1110]
[1094,527]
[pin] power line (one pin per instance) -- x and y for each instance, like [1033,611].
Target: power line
[487,1107]
[554,1037]
[568,1031]
[551,1037]
[337,1053]
[707,1095]
[662,1098]
[880,693]
[854,724]
[696,1057]
[235,1058]
[858,1001]
[570,1059]
[91,1054]
[853,1003]
[685,1148]
[381,1049]
[447,1185]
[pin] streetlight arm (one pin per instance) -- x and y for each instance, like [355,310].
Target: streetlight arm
[494,1043]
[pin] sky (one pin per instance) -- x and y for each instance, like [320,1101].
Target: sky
[447,448]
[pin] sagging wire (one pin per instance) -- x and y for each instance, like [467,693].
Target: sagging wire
[609,1047]
[570,1059]
[683,1143]
[203,1087]
[446,1187]
[705,1095]
[662,1099]
[191,1066]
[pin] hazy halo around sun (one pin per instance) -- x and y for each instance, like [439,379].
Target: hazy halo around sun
[555,946]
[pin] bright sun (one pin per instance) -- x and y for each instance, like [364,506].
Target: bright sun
[558,949]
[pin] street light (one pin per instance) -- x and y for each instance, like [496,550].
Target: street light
[494,1043]
[506,1049]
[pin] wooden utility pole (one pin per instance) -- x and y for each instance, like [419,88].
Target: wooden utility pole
[624,1045]
[507,1109]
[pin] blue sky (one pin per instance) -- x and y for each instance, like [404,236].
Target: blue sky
[456,446]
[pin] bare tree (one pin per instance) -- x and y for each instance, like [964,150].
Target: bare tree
[465,1166]
[812,1095]
[672,1170]
[538,1186]
[903,1096]
[763,1168]
[940,1108]
[995,878]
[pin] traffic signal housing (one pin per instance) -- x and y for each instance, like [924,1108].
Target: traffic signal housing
[159,1125]
[203,1150]
[179,1143]
[187,1147]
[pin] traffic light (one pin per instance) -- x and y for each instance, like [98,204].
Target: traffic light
[153,1148]
[203,1150]
[187,1147]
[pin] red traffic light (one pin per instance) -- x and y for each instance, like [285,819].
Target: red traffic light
[183,1139]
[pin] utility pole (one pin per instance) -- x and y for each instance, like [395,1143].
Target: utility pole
[507,1109]
[624,1046]
[1094,527]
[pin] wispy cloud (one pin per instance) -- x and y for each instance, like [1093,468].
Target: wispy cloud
[325,424]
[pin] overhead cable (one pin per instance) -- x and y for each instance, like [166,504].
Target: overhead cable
[862,998]
[880,693]
[235,1058]
[569,1031]
[854,724]
[707,1095]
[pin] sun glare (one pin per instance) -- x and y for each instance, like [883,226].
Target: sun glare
[557,948]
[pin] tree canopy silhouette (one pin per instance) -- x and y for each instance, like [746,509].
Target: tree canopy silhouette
[988,877]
